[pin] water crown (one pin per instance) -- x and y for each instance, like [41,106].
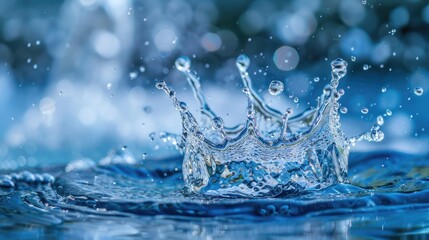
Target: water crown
[272,153]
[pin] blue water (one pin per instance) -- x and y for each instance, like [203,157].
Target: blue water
[388,196]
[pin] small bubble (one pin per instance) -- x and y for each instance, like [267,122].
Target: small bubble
[183,64]
[29,45]
[29,60]
[343,110]
[383,89]
[142,69]
[109,86]
[364,110]
[35,66]
[130,11]
[144,156]
[365,67]
[37,42]
[353,58]
[316,79]
[60,93]
[418,91]
[276,87]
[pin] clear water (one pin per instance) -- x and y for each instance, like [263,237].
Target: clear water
[148,201]
[272,154]
[330,194]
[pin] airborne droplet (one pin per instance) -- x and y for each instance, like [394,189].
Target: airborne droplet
[183,64]
[242,62]
[418,91]
[276,87]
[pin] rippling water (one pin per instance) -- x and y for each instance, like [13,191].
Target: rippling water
[388,196]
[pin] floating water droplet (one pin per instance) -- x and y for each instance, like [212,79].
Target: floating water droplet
[144,156]
[316,79]
[343,110]
[418,91]
[276,87]
[60,93]
[383,89]
[295,99]
[380,120]
[388,112]
[365,67]
[183,64]
[339,67]
[133,75]
[364,110]
[124,147]
[242,62]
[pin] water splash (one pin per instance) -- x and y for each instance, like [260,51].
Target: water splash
[271,154]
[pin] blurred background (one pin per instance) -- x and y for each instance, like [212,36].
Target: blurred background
[77,76]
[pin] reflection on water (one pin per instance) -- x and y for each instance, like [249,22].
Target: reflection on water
[147,200]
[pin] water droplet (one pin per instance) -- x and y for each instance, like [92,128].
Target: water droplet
[133,75]
[380,120]
[183,64]
[35,66]
[316,79]
[339,67]
[29,60]
[383,89]
[60,93]
[242,62]
[37,42]
[124,147]
[109,86]
[343,110]
[142,69]
[418,91]
[388,112]
[144,156]
[365,67]
[130,10]
[276,87]
[364,110]
[295,99]
[353,58]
